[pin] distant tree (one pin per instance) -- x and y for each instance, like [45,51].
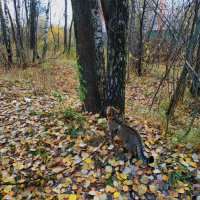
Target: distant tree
[19,38]
[140,48]
[195,88]
[70,36]
[46,31]
[6,31]
[33,28]
[65,27]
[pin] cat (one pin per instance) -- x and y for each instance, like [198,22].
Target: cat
[130,136]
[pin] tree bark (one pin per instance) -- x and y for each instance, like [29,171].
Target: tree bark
[33,27]
[70,36]
[141,38]
[116,17]
[46,31]
[65,28]
[20,53]
[6,31]
[89,46]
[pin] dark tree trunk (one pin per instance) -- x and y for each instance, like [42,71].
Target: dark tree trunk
[195,88]
[70,36]
[116,17]
[89,45]
[6,31]
[65,28]
[141,38]
[13,29]
[33,27]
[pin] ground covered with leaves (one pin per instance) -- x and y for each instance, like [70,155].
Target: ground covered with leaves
[51,149]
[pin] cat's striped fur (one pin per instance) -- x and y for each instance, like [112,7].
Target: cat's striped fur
[130,136]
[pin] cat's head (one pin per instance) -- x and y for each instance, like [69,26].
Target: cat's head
[112,113]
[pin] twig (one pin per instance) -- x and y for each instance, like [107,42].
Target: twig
[54,58]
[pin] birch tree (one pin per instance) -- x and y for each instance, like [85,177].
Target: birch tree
[65,27]
[19,40]
[116,17]
[6,31]
[46,31]
[88,33]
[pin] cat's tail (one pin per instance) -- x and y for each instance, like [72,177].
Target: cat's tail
[142,156]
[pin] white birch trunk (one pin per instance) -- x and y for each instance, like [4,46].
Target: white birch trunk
[46,31]
[6,31]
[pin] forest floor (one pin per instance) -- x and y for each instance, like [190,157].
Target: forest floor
[49,149]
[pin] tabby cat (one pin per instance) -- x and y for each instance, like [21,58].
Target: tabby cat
[130,137]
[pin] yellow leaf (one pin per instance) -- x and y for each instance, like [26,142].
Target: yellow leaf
[21,181]
[8,188]
[169,160]
[125,188]
[107,176]
[79,180]
[97,115]
[142,189]
[67,182]
[110,189]
[128,182]
[180,190]
[72,197]
[124,176]
[57,169]
[62,196]
[116,194]
[135,188]
[59,176]
[193,164]
[152,188]
[88,160]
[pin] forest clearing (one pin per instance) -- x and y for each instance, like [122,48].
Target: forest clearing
[56,137]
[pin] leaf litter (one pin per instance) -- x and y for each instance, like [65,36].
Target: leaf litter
[49,149]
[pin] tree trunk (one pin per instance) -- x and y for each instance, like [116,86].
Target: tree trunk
[195,88]
[33,27]
[116,17]
[13,29]
[131,36]
[51,27]
[70,36]
[6,31]
[58,37]
[65,28]
[46,31]
[141,38]
[20,53]
[89,45]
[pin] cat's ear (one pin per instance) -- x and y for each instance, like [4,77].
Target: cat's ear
[109,112]
[116,111]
